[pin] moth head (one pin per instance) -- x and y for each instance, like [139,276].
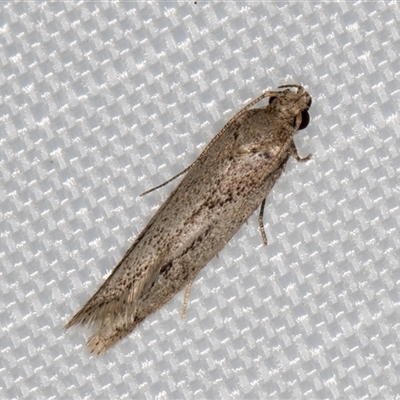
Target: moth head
[293,105]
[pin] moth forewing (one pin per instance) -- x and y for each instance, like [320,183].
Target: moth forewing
[221,189]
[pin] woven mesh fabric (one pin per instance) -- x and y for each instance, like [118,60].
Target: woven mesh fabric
[99,102]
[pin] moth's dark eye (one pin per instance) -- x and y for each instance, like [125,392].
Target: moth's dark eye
[305,119]
[271,99]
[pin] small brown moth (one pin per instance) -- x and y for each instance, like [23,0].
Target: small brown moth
[221,189]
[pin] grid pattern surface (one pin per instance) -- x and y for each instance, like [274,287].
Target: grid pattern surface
[99,102]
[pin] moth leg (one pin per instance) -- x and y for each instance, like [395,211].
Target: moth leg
[186,299]
[261,223]
[295,155]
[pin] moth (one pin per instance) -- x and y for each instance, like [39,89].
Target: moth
[221,189]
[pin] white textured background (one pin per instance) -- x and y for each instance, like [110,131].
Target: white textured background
[99,102]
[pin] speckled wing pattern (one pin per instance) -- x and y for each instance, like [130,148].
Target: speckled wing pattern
[220,190]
